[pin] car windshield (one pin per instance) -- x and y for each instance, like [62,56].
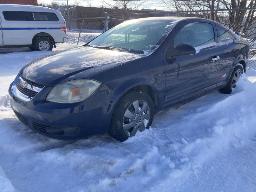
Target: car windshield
[138,36]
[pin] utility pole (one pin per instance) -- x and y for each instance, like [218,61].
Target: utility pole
[68,15]
[106,21]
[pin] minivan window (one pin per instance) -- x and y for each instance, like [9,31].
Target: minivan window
[45,16]
[29,16]
[195,34]
[18,16]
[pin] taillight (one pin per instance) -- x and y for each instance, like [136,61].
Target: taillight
[64,29]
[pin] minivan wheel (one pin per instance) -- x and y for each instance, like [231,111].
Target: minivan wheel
[43,44]
[238,71]
[133,113]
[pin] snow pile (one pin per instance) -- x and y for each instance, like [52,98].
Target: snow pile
[230,122]
[205,134]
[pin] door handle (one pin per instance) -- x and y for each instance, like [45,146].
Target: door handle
[215,58]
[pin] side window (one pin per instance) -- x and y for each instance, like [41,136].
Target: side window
[18,16]
[45,16]
[223,34]
[195,34]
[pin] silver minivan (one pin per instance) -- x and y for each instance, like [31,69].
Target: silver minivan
[38,27]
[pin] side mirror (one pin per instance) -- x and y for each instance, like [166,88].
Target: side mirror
[182,49]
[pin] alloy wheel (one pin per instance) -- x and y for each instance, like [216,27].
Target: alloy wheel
[136,117]
[44,45]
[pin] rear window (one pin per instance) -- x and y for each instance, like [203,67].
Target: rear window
[18,16]
[29,16]
[195,34]
[44,16]
[224,34]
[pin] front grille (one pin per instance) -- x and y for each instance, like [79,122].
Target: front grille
[27,88]
[39,127]
[46,129]
[26,91]
[34,84]
[35,125]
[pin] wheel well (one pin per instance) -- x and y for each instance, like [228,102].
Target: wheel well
[145,88]
[43,35]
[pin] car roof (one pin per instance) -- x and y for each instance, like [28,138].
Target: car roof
[171,18]
[18,7]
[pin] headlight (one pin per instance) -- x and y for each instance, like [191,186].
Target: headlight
[73,91]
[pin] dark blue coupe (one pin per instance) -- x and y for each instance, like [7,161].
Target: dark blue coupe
[117,82]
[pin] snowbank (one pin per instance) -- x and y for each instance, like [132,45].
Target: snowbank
[208,134]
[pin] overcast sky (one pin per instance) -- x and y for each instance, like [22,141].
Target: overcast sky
[147,4]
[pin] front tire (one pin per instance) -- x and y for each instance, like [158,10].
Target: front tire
[133,113]
[238,71]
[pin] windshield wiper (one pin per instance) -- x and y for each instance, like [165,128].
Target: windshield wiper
[120,49]
[130,50]
[103,47]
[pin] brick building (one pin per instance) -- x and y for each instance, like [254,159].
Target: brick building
[25,2]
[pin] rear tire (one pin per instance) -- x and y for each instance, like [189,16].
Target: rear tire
[238,71]
[133,113]
[42,44]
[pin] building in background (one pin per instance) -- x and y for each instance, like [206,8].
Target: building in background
[96,18]
[24,2]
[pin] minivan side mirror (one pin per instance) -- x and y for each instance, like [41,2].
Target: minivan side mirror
[182,49]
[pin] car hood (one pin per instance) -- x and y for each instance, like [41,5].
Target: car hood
[60,66]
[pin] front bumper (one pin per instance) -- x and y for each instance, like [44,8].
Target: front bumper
[64,121]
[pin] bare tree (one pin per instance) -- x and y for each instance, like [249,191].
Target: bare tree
[125,5]
[236,14]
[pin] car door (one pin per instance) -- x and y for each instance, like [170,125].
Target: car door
[194,70]
[225,49]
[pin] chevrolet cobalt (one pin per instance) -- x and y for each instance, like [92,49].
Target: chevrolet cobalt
[117,82]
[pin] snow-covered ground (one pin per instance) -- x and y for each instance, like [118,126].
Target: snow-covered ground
[207,145]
